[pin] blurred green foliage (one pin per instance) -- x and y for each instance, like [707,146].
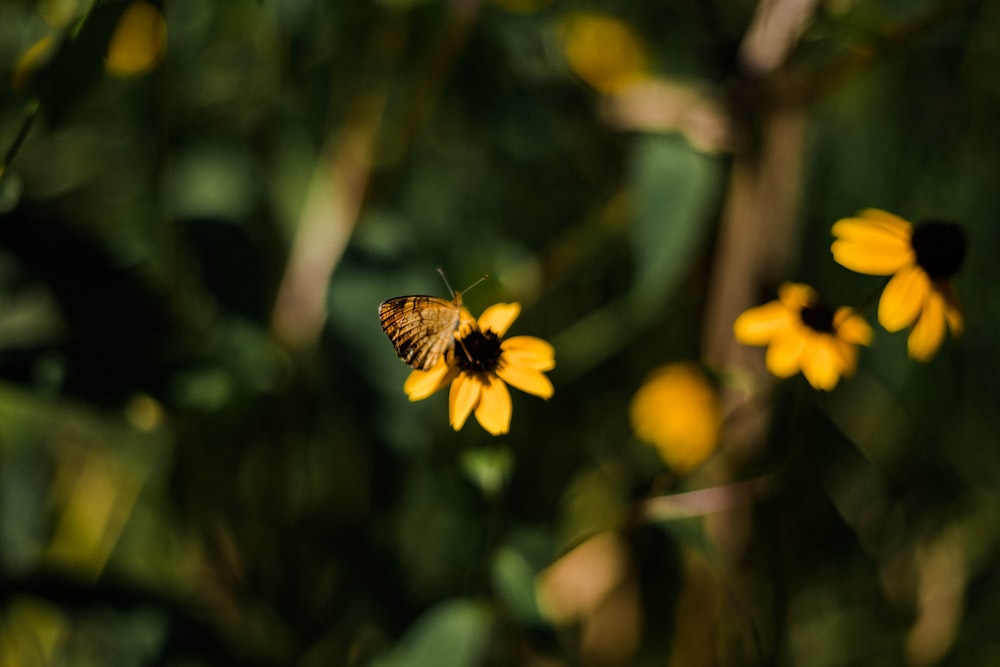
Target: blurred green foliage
[206,456]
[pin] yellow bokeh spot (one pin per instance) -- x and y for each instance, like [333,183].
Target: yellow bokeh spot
[604,51]
[677,411]
[94,500]
[138,42]
[37,56]
[144,413]
[31,632]
[58,13]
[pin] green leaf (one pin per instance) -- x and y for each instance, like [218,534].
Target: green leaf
[674,189]
[489,468]
[455,633]
[513,578]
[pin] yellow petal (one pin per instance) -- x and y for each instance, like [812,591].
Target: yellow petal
[526,379]
[796,296]
[903,298]
[421,384]
[463,397]
[785,350]
[874,223]
[871,258]
[466,323]
[864,232]
[494,409]
[757,326]
[138,42]
[851,327]
[821,363]
[952,309]
[529,351]
[876,243]
[498,317]
[848,354]
[928,332]
[887,220]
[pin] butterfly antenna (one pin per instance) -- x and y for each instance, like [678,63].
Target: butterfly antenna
[461,343]
[446,283]
[485,276]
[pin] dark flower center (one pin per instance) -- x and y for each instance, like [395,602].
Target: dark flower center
[940,248]
[478,352]
[819,318]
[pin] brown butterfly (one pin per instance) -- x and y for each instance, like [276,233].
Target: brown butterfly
[422,328]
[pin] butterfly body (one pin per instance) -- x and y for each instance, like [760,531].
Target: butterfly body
[421,328]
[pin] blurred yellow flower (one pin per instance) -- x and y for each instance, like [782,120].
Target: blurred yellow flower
[804,335]
[677,410]
[603,51]
[922,260]
[479,364]
[138,42]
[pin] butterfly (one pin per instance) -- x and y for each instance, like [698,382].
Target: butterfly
[422,328]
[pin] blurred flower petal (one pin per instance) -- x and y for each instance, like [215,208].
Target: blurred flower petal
[903,297]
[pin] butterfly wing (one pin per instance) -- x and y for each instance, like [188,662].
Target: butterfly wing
[421,328]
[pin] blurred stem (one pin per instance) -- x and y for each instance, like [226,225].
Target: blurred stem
[341,182]
[760,222]
[756,247]
[710,500]
[337,191]
[438,66]
[22,135]
[430,80]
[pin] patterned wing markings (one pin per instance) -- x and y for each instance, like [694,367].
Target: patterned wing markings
[421,328]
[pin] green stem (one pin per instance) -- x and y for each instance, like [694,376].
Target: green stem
[22,135]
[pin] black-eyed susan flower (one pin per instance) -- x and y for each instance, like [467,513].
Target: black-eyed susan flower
[677,411]
[802,334]
[922,260]
[480,366]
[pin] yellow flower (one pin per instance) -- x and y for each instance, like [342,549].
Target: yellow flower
[678,412]
[138,42]
[478,366]
[803,334]
[922,259]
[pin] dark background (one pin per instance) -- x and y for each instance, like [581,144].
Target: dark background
[206,456]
